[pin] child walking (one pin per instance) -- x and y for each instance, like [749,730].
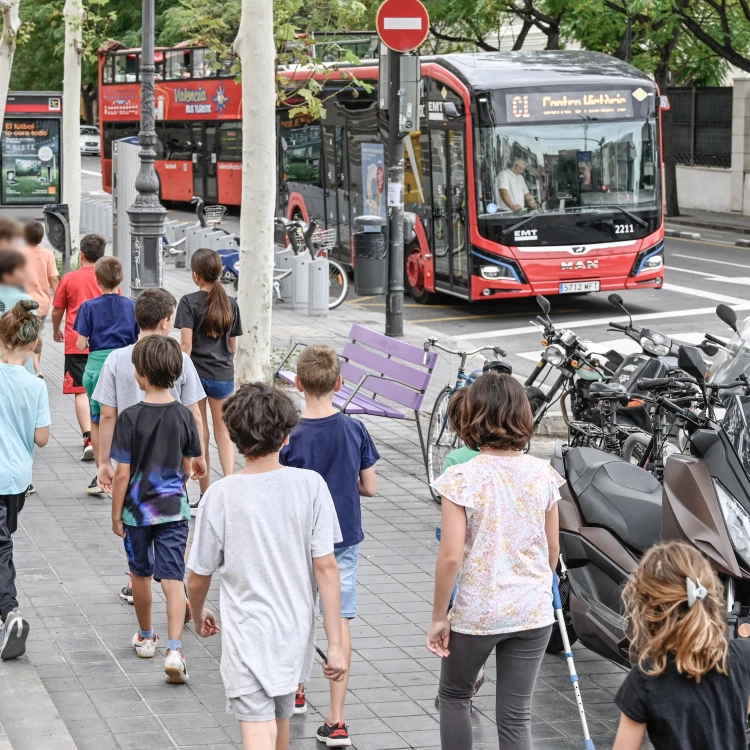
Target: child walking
[74,289]
[24,422]
[341,450]
[269,530]
[210,323]
[103,324]
[691,686]
[42,277]
[500,532]
[154,444]
[117,388]
[13,276]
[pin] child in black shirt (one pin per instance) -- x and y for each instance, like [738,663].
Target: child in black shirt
[154,444]
[690,687]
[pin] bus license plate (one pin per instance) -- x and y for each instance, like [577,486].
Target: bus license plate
[573,287]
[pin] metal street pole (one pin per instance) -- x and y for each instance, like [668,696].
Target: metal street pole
[394,301]
[147,215]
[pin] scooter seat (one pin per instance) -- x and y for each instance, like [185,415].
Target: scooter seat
[616,495]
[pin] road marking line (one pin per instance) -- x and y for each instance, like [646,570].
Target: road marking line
[592,322]
[710,260]
[95,174]
[456,317]
[705,295]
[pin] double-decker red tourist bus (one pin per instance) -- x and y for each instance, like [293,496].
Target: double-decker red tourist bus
[529,173]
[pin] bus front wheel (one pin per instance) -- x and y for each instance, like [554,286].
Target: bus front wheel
[414,273]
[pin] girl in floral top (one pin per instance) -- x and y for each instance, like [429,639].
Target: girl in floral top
[500,532]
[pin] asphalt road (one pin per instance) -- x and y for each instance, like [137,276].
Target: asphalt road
[699,275]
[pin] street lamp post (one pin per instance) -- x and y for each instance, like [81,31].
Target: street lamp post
[147,215]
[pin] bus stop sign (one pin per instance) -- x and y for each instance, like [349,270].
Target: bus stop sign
[402,24]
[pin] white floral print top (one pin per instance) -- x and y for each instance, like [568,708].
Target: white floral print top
[505,583]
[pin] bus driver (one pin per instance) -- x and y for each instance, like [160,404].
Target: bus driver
[512,187]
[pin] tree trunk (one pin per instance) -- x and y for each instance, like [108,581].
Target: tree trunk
[11,24]
[255,49]
[670,161]
[71,150]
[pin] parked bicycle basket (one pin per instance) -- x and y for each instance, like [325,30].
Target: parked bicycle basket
[214,215]
[324,240]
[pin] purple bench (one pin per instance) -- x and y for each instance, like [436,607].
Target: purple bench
[383,377]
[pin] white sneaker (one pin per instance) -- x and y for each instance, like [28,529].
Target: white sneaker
[175,667]
[15,633]
[145,647]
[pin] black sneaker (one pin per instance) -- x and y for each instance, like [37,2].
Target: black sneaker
[94,488]
[30,490]
[194,505]
[334,735]
[126,593]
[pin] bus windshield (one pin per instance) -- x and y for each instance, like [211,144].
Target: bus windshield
[586,167]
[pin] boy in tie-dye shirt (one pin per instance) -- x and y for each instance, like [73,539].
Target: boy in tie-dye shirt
[154,444]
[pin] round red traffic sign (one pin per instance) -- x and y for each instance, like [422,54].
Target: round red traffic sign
[402,24]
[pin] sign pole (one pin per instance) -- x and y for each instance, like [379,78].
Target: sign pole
[394,303]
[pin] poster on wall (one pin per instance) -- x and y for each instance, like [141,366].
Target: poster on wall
[373,179]
[30,149]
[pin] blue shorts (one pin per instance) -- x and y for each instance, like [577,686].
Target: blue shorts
[95,417]
[157,550]
[348,560]
[218,388]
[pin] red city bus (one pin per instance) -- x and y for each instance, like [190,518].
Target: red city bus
[529,173]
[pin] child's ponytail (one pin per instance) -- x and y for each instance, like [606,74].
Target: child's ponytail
[668,620]
[207,265]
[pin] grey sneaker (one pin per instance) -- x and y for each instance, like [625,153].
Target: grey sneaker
[15,633]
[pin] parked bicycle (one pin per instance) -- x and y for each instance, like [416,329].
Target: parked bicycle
[441,439]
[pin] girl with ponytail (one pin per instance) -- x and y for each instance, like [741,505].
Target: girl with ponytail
[24,422]
[690,686]
[210,322]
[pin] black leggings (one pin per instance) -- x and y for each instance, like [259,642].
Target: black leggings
[519,656]
[10,507]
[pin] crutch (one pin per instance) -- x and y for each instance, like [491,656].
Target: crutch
[588,743]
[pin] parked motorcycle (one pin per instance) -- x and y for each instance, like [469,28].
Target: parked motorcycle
[612,511]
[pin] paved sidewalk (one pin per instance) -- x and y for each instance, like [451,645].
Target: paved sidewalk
[71,568]
[711,220]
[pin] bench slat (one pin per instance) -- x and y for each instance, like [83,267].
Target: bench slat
[372,407]
[387,345]
[401,394]
[286,376]
[392,368]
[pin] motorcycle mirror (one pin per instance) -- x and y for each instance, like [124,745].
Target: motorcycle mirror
[543,302]
[727,315]
[708,348]
[690,360]
[615,299]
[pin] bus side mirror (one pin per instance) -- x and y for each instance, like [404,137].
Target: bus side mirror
[450,110]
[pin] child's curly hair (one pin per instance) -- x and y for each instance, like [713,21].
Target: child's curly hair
[662,624]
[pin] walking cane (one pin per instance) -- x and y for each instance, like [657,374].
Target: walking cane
[588,743]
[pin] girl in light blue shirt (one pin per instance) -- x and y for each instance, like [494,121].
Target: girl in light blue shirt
[24,422]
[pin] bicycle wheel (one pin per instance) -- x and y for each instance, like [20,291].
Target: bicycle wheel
[441,439]
[338,284]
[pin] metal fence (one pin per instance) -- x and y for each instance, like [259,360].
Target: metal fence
[702,125]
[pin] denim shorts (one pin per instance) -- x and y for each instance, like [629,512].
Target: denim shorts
[157,550]
[348,560]
[218,388]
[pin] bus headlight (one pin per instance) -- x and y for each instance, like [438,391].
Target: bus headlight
[736,518]
[496,272]
[652,263]
[554,355]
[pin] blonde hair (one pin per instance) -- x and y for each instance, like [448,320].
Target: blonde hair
[663,625]
[318,369]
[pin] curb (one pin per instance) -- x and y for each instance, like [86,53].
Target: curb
[552,426]
[718,226]
[742,243]
[681,234]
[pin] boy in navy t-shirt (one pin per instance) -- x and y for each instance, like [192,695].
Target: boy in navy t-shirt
[341,450]
[103,324]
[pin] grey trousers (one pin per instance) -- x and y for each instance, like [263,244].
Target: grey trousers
[519,656]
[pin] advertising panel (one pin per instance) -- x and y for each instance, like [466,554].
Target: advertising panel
[30,149]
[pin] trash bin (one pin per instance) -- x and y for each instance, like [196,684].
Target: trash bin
[370,256]
[57,222]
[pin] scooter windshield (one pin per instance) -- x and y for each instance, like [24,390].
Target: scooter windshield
[733,361]
[736,428]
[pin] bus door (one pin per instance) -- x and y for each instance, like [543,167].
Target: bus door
[449,211]
[205,149]
[337,189]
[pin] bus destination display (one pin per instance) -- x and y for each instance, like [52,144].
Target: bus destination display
[566,105]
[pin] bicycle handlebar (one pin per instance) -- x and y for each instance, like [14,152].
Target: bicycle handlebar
[433,343]
[619,327]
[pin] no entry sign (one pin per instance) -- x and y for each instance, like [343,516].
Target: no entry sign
[402,24]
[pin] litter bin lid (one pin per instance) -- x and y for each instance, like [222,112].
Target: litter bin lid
[370,220]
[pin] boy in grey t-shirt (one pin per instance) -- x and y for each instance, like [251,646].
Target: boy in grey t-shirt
[269,530]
